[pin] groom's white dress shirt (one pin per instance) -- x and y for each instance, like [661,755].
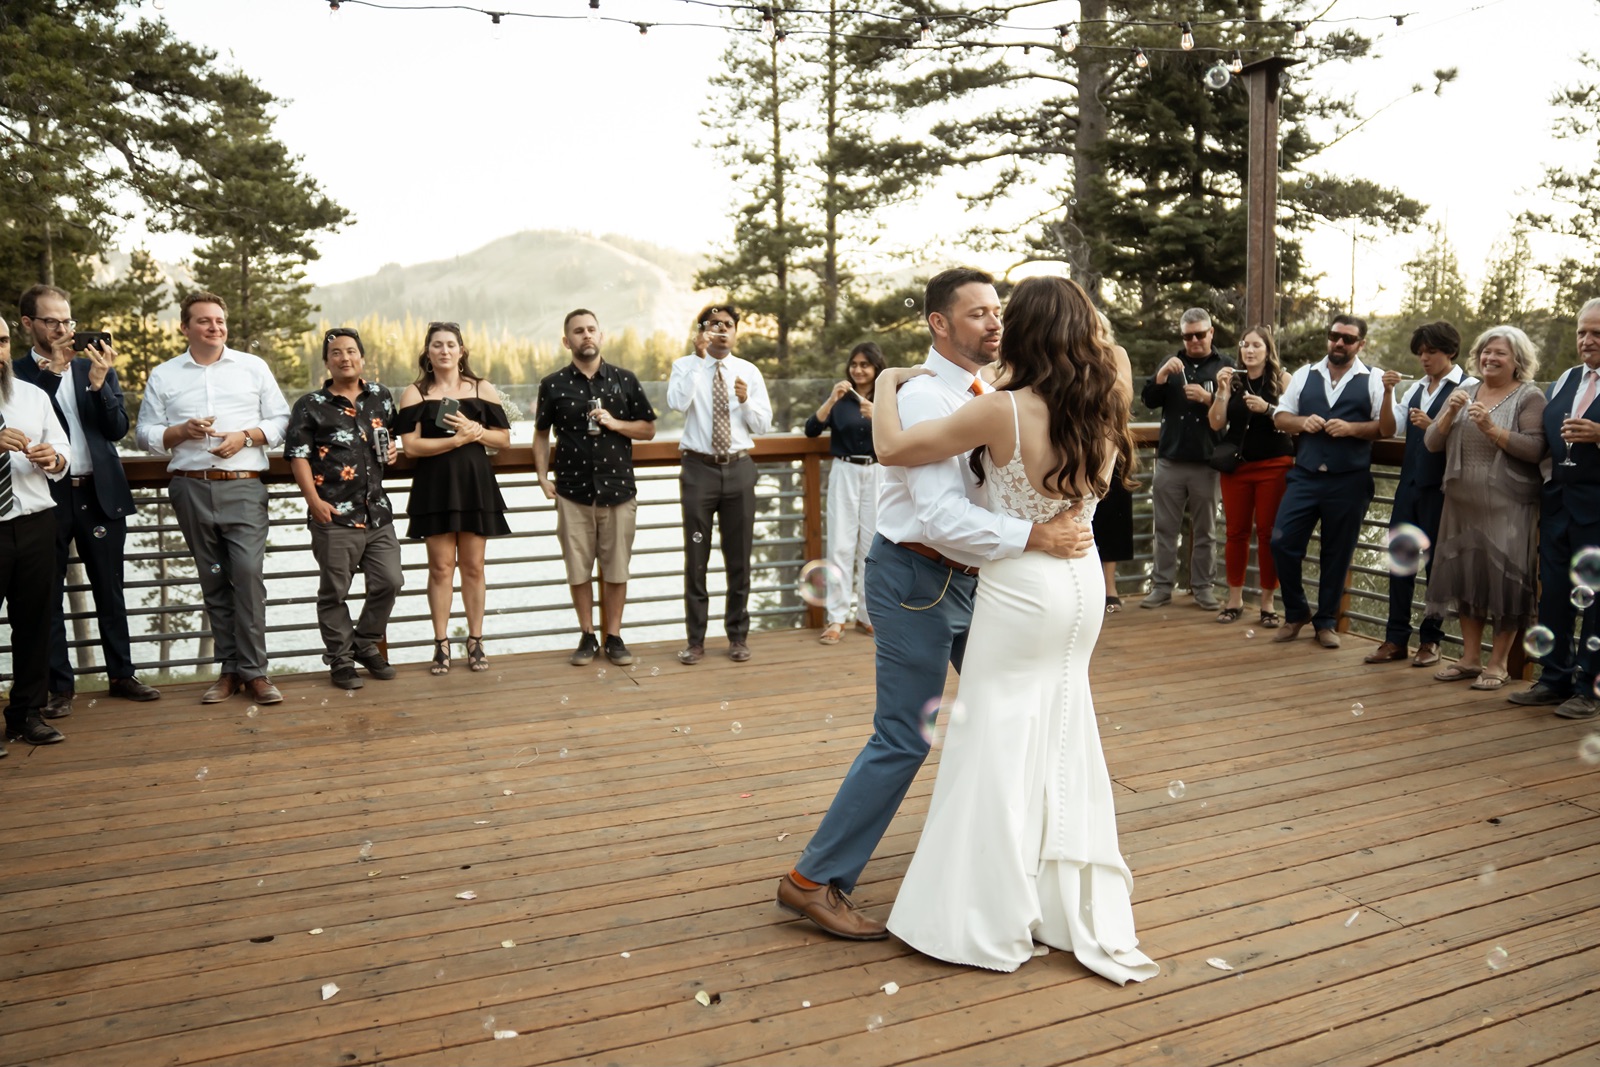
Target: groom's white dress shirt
[941,504]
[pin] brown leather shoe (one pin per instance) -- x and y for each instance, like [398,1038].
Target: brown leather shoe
[1328,639]
[829,909]
[1290,631]
[692,655]
[224,687]
[57,706]
[262,691]
[738,651]
[131,688]
[1427,655]
[1388,652]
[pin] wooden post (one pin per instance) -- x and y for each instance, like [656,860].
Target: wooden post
[1263,79]
[811,504]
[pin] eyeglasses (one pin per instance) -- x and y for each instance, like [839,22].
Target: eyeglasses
[1201,336]
[1335,337]
[56,324]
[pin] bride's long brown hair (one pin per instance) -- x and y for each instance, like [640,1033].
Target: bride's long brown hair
[1053,343]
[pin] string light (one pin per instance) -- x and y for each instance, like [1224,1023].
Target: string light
[781,38]
[1140,60]
[333,8]
[1068,40]
[1236,64]
[644,29]
[1187,41]
[924,33]
[594,10]
[769,24]
[1399,20]
[494,24]
[1299,35]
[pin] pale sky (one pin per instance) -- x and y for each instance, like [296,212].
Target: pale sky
[441,138]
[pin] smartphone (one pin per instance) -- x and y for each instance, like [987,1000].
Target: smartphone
[81,341]
[447,407]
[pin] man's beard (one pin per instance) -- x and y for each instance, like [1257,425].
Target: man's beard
[979,353]
[587,352]
[1341,357]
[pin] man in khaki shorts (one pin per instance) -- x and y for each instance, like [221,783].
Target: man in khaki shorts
[597,411]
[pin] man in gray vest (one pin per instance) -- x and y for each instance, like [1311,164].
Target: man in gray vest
[1338,406]
[1419,496]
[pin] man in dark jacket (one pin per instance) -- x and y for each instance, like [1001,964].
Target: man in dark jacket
[1184,480]
[93,501]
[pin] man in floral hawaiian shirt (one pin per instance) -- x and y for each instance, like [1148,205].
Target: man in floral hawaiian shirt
[337,444]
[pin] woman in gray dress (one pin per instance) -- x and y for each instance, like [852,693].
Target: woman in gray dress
[1484,562]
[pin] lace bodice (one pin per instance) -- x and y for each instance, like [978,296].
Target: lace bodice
[1010,492]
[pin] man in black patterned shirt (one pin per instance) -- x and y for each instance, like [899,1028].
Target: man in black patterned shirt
[338,442]
[597,411]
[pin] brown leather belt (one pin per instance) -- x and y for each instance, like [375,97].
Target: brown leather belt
[716,461]
[218,476]
[938,557]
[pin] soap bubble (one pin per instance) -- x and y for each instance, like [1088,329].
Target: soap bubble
[1589,749]
[874,1023]
[817,579]
[1539,641]
[562,754]
[1407,546]
[736,727]
[827,718]
[1582,597]
[1486,874]
[202,774]
[1497,958]
[1217,76]
[565,700]
[1176,789]
[252,711]
[1593,643]
[1358,709]
[1249,635]
[216,568]
[99,531]
[1586,566]
[697,537]
[910,303]
[654,671]
[723,706]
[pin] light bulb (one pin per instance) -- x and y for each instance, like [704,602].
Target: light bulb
[1188,38]
[333,6]
[644,28]
[494,24]
[769,26]
[1299,35]
[924,34]
[1236,64]
[1068,41]
[1140,60]
[781,38]
[594,11]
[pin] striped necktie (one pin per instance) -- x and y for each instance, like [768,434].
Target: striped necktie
[7,496]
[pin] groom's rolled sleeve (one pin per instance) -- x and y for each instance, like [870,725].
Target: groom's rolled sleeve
[949,519]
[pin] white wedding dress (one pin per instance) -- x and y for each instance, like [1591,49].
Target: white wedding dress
[1020,844]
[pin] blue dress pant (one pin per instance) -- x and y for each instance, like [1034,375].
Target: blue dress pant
[1422,507]
[921,611]
[1338,500]
[1566,669]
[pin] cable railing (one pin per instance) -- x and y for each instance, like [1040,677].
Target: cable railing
[528,604]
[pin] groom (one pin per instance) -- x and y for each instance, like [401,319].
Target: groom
[933,534]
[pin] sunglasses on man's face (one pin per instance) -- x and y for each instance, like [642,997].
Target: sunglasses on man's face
[1201,336]
[1344,338]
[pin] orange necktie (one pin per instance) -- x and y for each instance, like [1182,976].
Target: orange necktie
[976,388]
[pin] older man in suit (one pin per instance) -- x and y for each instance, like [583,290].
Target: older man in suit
[1569,531]
[93,502]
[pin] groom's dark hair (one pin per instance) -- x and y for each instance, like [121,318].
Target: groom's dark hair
[942,288]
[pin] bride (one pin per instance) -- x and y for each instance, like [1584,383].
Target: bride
[1020,843]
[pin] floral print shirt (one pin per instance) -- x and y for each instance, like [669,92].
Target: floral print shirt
[336,437]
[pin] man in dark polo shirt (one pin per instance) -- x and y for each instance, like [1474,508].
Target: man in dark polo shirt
[598,411]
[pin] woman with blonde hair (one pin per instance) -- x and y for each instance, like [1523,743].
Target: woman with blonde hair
[1492,434]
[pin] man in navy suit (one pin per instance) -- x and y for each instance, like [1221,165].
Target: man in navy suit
[1569,523]
[93,502]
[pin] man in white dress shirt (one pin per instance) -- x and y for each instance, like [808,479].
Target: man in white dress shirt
[724,403]
[934,531]
[216,412]
[32,454]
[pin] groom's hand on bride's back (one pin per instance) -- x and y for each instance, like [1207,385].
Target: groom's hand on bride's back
[1064,536]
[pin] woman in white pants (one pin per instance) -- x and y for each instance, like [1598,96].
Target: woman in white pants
[852,487]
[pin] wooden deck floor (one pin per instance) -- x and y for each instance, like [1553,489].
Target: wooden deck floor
[181,881]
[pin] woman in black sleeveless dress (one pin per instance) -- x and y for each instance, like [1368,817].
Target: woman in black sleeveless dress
[455,503]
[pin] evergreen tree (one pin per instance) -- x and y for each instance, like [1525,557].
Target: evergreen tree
[1506,295]
[142,341]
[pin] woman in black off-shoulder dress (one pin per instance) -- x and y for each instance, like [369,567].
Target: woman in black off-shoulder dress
[455,504]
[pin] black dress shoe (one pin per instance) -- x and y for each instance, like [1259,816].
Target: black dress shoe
[57,706]
[133,689]
[32,729]
[376,665]
[345,677]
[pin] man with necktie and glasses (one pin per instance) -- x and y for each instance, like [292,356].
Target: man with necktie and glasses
[32,455]
[1569,523]
[94,501]
[724,403]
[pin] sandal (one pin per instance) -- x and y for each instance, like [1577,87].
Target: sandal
[441,656]
[1113,605]
[1492,679]
[1229,614]
[1270,620]
[1456,672]
[864,628]
[832,633]
[475,657]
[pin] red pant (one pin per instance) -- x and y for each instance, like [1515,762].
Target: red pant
[1250,495]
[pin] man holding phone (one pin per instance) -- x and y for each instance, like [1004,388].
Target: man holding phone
[215,412]
[93,501]
[338,442]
